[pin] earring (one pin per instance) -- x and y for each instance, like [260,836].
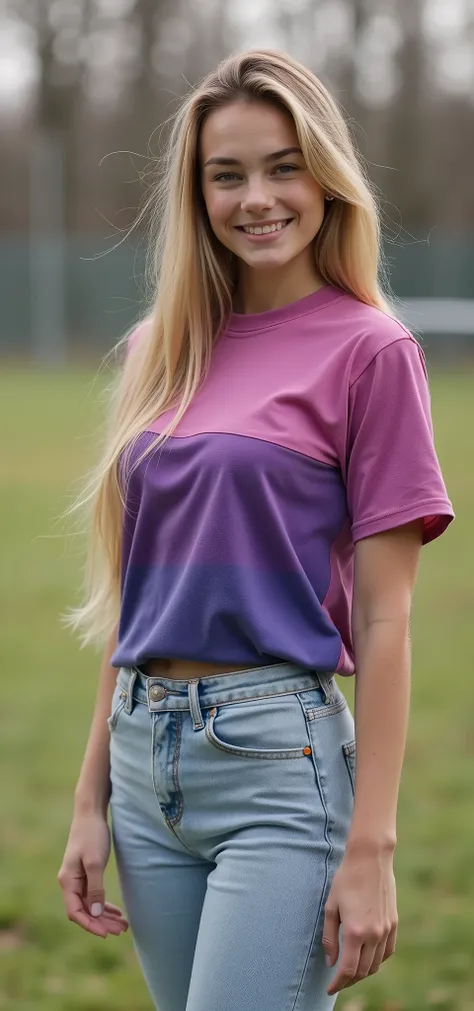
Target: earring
[327,197]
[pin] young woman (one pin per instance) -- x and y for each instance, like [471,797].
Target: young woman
[268,480]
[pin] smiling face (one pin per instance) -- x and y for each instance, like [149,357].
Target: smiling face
[262,201]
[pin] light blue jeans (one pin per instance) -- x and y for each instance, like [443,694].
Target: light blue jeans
[231,801]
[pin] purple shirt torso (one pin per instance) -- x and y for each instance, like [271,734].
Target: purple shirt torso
[311,431]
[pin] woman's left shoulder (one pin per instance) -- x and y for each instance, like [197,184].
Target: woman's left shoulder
[375,332]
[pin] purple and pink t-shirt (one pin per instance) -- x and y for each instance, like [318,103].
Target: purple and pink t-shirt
[311,431]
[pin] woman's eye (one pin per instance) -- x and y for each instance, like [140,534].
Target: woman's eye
[224,176]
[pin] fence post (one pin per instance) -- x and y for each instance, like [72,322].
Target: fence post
[47,251]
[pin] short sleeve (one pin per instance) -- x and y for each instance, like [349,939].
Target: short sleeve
[393,474]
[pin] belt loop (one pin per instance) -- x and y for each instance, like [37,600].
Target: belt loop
[194,704]
[132,675]
[327,684]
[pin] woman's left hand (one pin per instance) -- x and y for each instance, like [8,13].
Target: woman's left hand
[363,899]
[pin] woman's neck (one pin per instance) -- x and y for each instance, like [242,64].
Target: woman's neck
[261,291]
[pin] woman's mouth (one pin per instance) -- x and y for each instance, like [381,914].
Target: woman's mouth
[264,233]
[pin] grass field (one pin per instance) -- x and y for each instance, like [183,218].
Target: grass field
[47,695]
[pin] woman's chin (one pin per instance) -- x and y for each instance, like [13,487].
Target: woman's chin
[269,260]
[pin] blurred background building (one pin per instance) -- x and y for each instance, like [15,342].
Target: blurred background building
[85,86]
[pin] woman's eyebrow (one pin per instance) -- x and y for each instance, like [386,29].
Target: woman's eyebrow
[268,157]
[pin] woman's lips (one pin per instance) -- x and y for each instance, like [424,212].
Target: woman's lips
[264,236]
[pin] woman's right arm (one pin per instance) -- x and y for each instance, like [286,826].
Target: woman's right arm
[93,786]
[88,846]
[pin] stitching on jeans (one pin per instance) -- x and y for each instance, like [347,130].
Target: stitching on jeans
[239,698]
[323,897]
[349,752]
[153,743]
[319,714]
[112,719]
[231,749]
[193,853]
[179,732]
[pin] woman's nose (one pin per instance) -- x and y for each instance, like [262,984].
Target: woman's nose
[257,197]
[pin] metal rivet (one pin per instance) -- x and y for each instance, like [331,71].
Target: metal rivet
[157,692]
[307,751]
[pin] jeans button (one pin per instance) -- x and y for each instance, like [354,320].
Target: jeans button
[157,692]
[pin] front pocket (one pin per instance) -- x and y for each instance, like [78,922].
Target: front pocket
[267,720]
[349,752]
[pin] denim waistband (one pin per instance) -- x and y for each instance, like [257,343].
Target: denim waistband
[162,694]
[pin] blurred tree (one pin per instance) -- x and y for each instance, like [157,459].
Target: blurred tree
[60,28]
[349,64]
[408,127]
[111,71]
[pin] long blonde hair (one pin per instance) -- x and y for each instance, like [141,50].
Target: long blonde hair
[194,278]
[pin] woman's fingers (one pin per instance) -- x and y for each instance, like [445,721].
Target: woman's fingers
[371,956]
[391,942]
[114,917]
[77,914]
[114,912]
[113,925]
[351,950]
[81,877]
[95,886]
[377,959]
[101,925]
[110,921]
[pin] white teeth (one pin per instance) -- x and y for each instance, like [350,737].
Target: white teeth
[262,230]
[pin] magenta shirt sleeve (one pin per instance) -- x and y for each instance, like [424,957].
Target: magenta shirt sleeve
[393,473]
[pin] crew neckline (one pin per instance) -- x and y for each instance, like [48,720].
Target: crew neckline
[241,324]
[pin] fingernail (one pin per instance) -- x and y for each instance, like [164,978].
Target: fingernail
[328,960]
[96,909]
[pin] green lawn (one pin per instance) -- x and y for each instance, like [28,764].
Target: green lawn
[48,688]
